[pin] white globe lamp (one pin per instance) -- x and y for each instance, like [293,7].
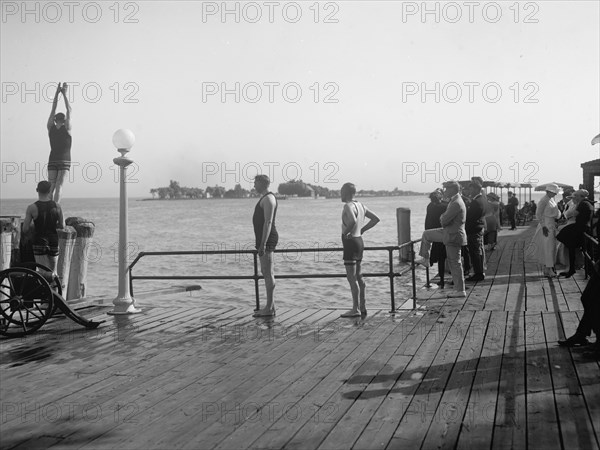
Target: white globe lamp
[123,140]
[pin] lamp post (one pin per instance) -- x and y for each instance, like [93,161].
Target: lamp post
[124,303]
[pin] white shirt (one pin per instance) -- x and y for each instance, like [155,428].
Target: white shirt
[354,211]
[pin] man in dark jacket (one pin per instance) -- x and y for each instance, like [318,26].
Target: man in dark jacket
[572,235]
[474,226]
[511,209]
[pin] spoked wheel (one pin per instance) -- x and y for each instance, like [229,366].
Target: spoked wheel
[26,301]
[49,276]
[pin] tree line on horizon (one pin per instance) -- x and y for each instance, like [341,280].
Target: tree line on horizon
[292,188]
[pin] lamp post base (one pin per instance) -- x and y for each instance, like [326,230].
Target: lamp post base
[124,306]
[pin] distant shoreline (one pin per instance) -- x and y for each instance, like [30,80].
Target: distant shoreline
[282,197]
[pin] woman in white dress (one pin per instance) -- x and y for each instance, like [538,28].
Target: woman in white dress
[543,244]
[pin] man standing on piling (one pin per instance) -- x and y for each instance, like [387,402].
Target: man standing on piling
[42,219]
[59,133]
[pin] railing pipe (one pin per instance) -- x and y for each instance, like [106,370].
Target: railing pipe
[256,277]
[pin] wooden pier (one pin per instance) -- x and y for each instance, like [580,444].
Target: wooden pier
[480,372]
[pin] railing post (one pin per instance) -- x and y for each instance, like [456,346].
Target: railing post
[391,275]
[403,224]
[130,281]
[256,290]
[414,278]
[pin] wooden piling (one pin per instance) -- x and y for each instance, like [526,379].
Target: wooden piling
[66,244]
[5,249]
[12,225]
[403,224]
[79,261]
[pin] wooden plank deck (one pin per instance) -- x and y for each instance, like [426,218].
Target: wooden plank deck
[480,372]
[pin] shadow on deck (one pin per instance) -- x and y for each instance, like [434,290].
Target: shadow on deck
[484,371]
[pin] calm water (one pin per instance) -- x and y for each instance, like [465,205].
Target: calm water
[175,225]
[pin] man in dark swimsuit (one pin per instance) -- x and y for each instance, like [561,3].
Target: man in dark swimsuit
[59,133]
[267,237]
[42,219]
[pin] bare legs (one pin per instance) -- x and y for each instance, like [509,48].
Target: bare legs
[56,179]
[358,288]
[267,268]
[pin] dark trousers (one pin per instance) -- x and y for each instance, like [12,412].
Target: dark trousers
[590,321]
[512,217]
[476,252]
[572,252]
[464,254]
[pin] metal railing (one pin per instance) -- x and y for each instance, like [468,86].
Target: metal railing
[591,253]
[391,274]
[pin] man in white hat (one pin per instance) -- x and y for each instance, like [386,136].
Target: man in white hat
[543,244]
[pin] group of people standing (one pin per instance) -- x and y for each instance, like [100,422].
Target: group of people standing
[464,224]
[577,212]
[44,217]
[356,220]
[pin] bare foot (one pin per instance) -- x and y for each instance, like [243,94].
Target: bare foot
[264,312]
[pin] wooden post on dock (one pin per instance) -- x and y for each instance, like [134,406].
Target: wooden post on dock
[79,261]
[66,243]
[5,249]
[12,225]
[403,223]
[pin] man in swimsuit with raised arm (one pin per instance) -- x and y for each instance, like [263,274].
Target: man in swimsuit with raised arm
[267,237]
[59,133]
[353,227]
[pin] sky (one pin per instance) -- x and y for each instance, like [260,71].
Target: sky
[384,94]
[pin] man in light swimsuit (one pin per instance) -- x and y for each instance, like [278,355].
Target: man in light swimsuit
[353,227]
